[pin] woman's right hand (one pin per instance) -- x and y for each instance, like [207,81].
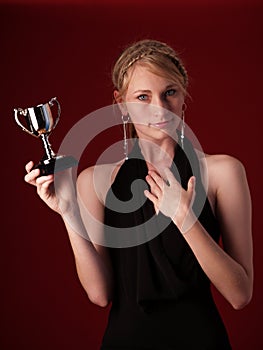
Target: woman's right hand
[44,185]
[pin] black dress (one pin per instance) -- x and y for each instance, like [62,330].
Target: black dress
[162,297]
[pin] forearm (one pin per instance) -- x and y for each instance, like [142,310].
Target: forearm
[94,270]
[226,274]
[92,262]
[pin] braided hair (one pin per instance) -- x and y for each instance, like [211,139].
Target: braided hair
[151,51]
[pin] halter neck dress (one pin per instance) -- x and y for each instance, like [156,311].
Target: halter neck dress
[162,298]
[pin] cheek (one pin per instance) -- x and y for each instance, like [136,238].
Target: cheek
[176,105]
[139,112]
[142,129]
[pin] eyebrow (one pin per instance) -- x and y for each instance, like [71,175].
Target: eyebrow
[136,91]
[147,91]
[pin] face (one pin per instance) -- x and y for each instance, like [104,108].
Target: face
[154,104]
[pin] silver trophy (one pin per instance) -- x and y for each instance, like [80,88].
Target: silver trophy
[39,123]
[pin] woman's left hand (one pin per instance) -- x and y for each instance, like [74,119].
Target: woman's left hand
[169,197]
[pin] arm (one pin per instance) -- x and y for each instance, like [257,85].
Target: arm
[92,261]
[229,269]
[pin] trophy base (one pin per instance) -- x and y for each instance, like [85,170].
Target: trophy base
[56,164]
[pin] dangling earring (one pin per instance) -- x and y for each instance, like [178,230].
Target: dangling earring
[183,126]
[125,121]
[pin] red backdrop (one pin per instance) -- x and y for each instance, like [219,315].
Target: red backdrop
[66,49]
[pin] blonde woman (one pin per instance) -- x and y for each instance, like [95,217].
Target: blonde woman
[159,287]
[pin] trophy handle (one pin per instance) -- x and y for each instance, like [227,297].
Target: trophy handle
[51,103]
[20,111]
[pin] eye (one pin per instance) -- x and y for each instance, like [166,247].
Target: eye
[170,92]
[142,97]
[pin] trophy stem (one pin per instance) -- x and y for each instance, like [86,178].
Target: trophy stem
[50,154]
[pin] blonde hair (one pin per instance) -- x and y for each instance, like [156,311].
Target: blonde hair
[159,58]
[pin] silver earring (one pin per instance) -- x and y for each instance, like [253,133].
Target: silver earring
[183,126]
[125,121]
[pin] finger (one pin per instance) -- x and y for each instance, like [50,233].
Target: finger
[191,184]
[157,179]
[155,189]
[42,180]
[191,189]
[29,166]
[151,197]
[170,177]
[31,176]
[43,187]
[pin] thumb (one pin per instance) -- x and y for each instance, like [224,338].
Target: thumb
[191,184]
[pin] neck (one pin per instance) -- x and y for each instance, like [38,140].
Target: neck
[158,155]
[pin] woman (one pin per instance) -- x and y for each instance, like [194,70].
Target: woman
[159,287]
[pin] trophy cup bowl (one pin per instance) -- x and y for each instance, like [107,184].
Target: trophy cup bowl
[39,123]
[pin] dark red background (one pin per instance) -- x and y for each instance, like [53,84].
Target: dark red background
[66,49]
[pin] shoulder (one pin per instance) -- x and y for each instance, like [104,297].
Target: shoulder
[226,174]
[219,166]
[222,162]
[222,166]
[102,171]
[221,174]
[98,177]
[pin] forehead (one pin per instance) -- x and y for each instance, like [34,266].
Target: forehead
[143,76]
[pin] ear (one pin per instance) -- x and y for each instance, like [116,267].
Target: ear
[120,101]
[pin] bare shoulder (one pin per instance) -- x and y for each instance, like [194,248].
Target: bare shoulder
[223,165]
[100,177]
[215,162]
[224,172]
[221,175]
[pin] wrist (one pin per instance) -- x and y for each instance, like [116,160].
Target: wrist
[185,220]
[69,211]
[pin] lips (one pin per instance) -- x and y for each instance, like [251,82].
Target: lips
[160,124]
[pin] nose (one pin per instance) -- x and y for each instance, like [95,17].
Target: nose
[159,107]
